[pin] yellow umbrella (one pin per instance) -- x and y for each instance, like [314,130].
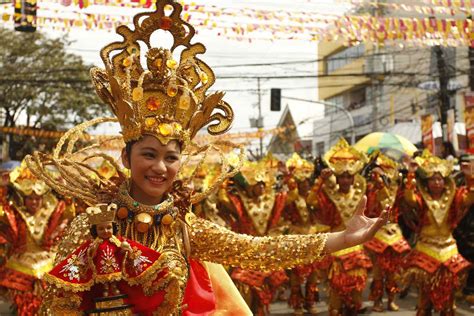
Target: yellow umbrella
[385,142]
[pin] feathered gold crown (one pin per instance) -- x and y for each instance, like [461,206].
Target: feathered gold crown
[344,158]
[431,164]
[167,99]
[389,166]
[257,171]
[101,213]
[24,181]
[300,168]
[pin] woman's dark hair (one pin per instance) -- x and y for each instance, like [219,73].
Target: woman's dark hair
[93,229]
[128,149]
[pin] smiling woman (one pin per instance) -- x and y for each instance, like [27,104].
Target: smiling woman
[161,105]
[153,167]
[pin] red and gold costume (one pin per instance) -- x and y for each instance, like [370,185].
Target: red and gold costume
[302,220]
[388,247]
[28,238]
[255,214]
[347,274]
[167,99]
[435,264]
[99,263]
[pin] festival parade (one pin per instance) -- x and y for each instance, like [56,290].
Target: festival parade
[228,158]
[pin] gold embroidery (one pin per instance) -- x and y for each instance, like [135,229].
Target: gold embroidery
[346,203]
[439,209]
[260,211]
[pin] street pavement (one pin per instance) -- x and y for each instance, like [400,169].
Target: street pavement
[407,307]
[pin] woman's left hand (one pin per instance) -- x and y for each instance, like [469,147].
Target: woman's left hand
[360,228]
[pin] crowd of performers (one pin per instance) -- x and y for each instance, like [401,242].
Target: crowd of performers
[426,196]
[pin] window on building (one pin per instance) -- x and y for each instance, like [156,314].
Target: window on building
[332,104]
[351,100]
[344,57]
[356,99]
[320,148]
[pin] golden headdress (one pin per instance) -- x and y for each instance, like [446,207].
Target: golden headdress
[167,98]
[299,167]
[24,181]
[258,171]
[101,213]
[431,164]
[388,165]
[344,158]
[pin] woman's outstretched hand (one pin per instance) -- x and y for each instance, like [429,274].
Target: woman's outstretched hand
[359,229]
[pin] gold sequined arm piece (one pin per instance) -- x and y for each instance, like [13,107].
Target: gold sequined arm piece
[211,242]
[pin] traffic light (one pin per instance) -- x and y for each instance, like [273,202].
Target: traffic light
[275,99]
[25,15]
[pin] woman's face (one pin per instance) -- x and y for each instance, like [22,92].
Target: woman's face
[153,168]
[345,182]
[33,203]
[105,230]
[258,189]
[436,184]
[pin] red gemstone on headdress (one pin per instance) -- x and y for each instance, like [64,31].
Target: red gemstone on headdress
[166,23]
[152,104]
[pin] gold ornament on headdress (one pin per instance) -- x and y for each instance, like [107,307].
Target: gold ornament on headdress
[344,158]
[107,170]
[431,164]
[167,98]
[257,171]
[300,168]
[24,181]
[101,213]
[388,165]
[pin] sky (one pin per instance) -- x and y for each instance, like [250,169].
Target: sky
[241,94]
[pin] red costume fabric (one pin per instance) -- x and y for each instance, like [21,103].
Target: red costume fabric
[17,276]
[439,273]
[263,284]
[76,273]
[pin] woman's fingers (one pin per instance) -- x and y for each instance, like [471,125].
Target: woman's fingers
[361,206]
[378,223]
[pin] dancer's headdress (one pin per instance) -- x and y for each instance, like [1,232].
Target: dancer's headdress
[24,181]
[344,158]
[151,92]
[167,98]
[430,164]
[259,172]
[300,168]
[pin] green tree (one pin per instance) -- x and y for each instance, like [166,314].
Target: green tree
[45,85]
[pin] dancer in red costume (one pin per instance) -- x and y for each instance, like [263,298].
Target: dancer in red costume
[32,220]
[335,197]
[302,220]
[435,265]
[161,104]
[388,247]
[255,209]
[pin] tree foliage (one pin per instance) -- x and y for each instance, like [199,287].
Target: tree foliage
[43,85]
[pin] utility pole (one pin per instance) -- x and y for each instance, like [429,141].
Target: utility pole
[376,88]
[260,118]
[443,87]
